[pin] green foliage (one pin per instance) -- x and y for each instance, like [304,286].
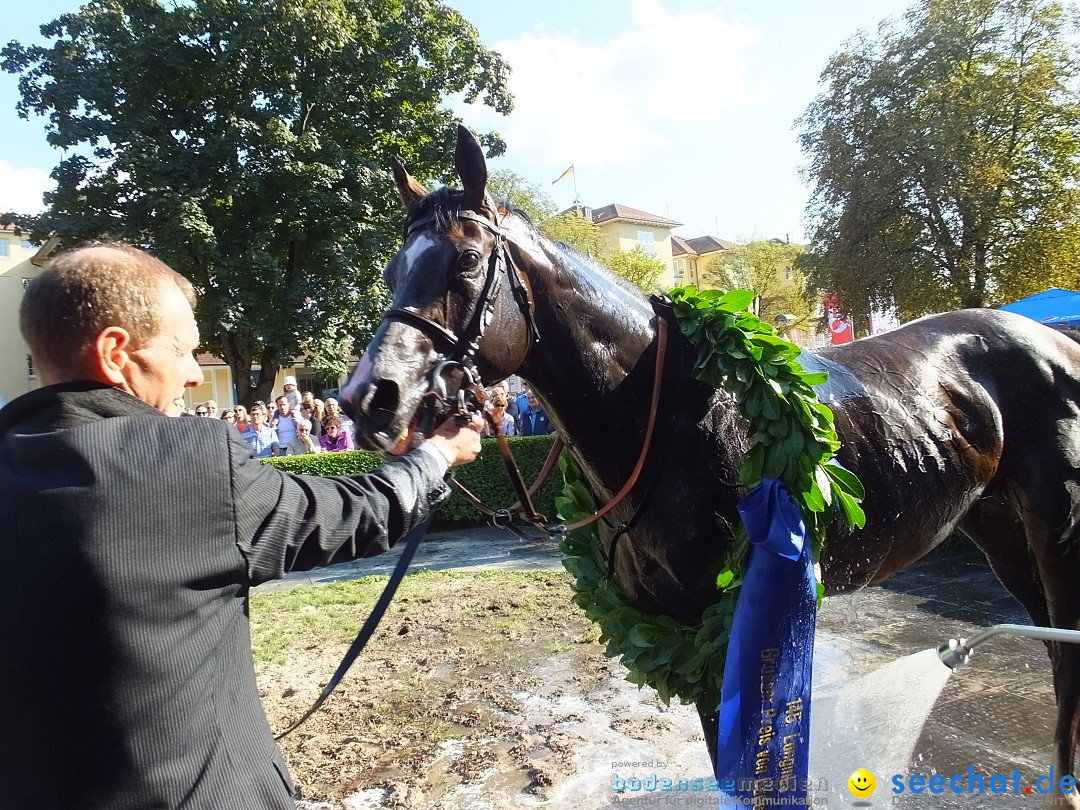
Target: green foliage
[574,230]
[944,157]
[246,143]
[766,268]
[486,477]
[791,438]
[347,462]
[529,198]
[675,660]
[636,266]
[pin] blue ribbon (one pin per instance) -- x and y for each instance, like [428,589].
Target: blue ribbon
[764,737]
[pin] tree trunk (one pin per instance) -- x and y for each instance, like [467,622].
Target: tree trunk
[239,359]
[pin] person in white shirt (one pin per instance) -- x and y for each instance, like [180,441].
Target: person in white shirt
[283,420]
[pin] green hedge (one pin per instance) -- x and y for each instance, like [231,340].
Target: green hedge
[486,477]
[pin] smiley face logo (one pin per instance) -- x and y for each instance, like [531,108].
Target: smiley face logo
[862,783]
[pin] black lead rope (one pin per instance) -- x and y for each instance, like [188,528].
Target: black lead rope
[412,542]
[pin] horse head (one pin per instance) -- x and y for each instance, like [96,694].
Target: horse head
[460,312]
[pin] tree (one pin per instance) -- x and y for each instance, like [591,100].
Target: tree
[246,143]
[529,198]
[636,266]
[944,159]
[576,231]
[768,269]
[573,229]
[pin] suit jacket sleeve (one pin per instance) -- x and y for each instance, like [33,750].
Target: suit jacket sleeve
[293,523]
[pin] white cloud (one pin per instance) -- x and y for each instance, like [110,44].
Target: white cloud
[21,188]
[611,103]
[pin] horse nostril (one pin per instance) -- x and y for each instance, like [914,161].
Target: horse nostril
[382,402]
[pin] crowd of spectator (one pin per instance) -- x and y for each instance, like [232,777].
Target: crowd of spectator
[520,415]
[299,424]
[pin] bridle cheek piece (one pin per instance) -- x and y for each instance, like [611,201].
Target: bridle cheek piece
[460,349]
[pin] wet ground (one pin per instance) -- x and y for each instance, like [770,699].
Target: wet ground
[995,715]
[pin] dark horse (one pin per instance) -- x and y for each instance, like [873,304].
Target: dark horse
[966,419]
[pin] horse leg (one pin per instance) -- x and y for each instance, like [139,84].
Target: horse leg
[710,727]
[1050,511]
[998,532]
[997,529]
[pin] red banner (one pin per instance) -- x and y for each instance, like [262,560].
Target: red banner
[840,328]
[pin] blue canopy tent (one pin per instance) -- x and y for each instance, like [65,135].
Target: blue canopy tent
[1054,307]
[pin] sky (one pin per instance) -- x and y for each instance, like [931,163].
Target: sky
[682,108]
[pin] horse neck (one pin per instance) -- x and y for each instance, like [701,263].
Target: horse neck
[588,366]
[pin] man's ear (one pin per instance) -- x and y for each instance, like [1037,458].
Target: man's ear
[111,356]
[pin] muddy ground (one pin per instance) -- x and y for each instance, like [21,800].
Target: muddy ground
[479,691]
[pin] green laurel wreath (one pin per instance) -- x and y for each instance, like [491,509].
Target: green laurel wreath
[792,438]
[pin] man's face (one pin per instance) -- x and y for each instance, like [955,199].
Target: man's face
[161,369]
[331,406]
[257,415]
[530,397]
[283,405]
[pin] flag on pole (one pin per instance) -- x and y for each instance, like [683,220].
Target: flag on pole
[568,173]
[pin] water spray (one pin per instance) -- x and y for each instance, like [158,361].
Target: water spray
[958,650]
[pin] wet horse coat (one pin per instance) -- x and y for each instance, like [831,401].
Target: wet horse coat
[966,419]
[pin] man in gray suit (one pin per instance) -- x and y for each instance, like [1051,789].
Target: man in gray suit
[130,543]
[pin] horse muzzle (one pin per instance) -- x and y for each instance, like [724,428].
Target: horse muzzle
[377,407]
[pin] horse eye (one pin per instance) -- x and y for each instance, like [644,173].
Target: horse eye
[469,260]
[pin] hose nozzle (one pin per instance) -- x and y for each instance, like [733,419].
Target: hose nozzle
[955,653]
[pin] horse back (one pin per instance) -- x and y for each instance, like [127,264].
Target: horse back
[938,414]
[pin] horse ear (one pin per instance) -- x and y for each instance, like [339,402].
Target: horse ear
[471,168]
[410,190]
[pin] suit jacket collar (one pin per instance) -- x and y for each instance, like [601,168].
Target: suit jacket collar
[69,405]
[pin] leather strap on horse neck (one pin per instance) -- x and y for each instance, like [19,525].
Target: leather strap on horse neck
[658,376]
[524,507]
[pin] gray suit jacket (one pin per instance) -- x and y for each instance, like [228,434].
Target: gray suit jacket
[128,542]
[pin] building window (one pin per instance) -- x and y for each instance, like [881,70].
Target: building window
[30,367]
[647,241]
[678,264]
[26,244]
[4,250]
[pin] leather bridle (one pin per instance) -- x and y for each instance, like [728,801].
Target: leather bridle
[460,350]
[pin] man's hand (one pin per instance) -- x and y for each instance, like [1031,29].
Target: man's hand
[459,441]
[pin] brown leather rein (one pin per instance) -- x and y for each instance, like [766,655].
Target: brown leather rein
[524,507]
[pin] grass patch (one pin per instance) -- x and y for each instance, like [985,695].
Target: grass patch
[480,611]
